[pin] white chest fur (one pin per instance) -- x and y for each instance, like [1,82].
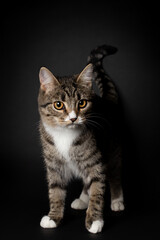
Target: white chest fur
[63,138]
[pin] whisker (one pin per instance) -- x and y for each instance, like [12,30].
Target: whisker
[91,122]
[94,123]
[98,117]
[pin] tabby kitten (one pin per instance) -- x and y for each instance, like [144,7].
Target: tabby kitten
[69,136]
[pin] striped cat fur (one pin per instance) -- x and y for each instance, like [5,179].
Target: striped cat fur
[79,140]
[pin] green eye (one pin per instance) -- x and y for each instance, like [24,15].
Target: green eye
[58,105]
[82,103]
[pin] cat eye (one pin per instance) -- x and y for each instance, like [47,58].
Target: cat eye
[58,105]
[82,103]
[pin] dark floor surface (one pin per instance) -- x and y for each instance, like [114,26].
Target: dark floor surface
[22,223]
[25,201]
[131,226]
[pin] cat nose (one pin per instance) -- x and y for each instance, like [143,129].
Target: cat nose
[73,119]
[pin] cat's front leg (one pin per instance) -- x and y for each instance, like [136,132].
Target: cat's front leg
[57,194]
[94,217]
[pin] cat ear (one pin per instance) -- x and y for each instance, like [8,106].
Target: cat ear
[47,80]
[86,76]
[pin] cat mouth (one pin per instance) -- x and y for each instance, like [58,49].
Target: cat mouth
[74,125]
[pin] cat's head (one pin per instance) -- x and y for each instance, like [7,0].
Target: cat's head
[65,101]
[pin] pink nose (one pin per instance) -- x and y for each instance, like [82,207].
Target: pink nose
[73,119]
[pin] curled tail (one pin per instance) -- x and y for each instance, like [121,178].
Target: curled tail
[103,85]
[96,56]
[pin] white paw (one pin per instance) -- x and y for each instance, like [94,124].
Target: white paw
[79,204]
[46,222]
[96,226]
[117,205]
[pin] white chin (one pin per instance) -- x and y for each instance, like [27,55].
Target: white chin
[72,125]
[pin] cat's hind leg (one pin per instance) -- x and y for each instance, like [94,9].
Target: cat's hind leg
[114,177]
[82,201]
[117,202]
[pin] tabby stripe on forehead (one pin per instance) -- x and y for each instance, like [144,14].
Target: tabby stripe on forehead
[66,91]
[74,92]
[63,97]
[78,95]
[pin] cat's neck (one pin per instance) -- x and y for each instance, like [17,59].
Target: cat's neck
[63,138]
[62,130]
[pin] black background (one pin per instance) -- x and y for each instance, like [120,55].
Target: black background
[60,37]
